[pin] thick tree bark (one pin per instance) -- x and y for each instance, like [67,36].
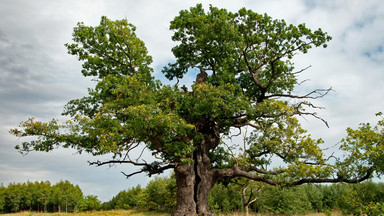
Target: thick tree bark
[205,182]
[205,179]
[185,180]
[195,180]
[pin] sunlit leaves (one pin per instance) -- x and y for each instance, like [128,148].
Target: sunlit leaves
[286,139]
[364,149]
[246,49]
[46,133]
[110,48]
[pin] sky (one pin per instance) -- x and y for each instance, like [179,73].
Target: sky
[38,77]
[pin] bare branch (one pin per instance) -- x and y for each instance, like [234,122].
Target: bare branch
[236,135]
[315,94]
[245,142]
[231,152]
[141,154]
[150,168]
[132,174]
[324,149]
[303,81]
[302,70]
[101,163]
[313,114]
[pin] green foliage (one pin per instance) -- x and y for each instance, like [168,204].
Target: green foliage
[365,150]
[374,209]
[110,48]
[286,201]
[90,203]
[331,195]
[233,45]
[67,196]
[315,197]
[13,198]
[2,198]
[127,199]
[158,195]
[221,199]
[42,197]
[364,198]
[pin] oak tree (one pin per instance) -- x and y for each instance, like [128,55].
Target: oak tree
[246,77]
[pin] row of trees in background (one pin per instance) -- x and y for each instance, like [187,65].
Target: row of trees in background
[160,195]
[44,197]
[364,198]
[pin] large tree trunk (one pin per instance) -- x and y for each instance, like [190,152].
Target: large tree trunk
[204,180]
[195,180]
[185,180]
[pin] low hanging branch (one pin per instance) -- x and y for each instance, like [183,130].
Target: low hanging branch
[150,168]
[236,171]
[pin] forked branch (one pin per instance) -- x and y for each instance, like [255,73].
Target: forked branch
[315,94]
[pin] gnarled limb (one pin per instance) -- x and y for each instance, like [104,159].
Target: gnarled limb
[237,171]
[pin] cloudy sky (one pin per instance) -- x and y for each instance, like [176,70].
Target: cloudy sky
[38,77]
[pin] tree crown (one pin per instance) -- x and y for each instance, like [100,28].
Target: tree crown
[245,79]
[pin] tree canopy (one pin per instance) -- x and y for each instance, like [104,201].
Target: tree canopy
[245,80]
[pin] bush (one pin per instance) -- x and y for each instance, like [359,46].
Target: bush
[221,199]
[374,209]
[90,203]
[286,201]
[127,199]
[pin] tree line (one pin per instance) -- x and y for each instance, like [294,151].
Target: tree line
[225,197]
[45,197]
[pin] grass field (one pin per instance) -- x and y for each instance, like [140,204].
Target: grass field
[134,213]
